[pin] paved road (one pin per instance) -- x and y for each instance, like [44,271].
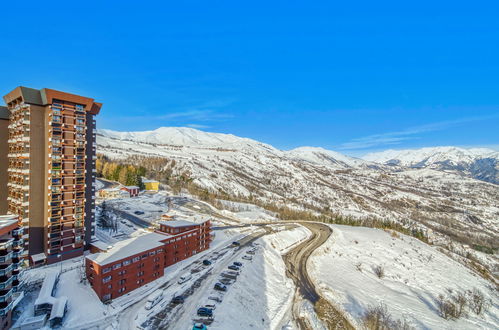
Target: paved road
[296,264]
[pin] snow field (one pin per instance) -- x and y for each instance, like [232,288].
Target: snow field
[414,275]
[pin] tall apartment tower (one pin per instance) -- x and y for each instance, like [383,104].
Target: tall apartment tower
[4,150]
[51,171]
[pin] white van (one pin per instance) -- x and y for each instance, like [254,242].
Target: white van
[154,299]
[184,278]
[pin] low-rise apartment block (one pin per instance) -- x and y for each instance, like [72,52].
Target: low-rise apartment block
[135,262]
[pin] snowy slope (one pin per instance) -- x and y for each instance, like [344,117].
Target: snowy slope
[318,180]
[415,274]
[324,156]
[479,163]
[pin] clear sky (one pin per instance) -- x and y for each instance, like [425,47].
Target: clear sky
[354,77]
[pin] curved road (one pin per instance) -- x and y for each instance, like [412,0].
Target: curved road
[296,264]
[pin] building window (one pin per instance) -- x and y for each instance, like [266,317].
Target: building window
[110,286]
[126,262]
[122,289]
[106,270]
[106,279]
[135,259]
[121,282]
[152,253]
[106,297]
[117,266]
[123,272]
[144,256]
[140,273]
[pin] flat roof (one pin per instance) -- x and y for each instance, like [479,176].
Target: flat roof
[178,223]
[101,245]
[128,248]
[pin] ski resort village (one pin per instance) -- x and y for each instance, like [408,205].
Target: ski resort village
[178,228]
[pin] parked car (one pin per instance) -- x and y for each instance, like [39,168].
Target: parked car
[203,311]
[238,264]
[233,267]
[236,243]
[138,212]
[184,278]
[229,275]
[210,306]
[206,262]
[199,326]
[247,257]
[250,252]
[154,299]
[215,298]
[226,281]
[178,300]
[220,287]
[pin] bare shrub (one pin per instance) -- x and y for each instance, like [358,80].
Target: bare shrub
[461,301]
[379,271]
[359,266]
[478,303]
[379,318]
[446,307]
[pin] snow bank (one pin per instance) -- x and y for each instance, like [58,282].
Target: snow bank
[415,274]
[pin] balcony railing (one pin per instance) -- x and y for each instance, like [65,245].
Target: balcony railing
[5,282]
[5,295]
[5,308]
[4,270]
[6,257]
[6,243]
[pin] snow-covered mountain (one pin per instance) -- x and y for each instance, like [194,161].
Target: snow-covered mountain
[323,156]
[318,180]
[479,163]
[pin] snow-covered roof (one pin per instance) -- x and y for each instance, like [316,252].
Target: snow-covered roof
[38,257]
[128,248]
[45,295]
[59,308]
[149,181]
[131,187]
[177,223]
[101,245]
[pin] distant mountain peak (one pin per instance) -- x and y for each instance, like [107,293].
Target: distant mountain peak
[479,163]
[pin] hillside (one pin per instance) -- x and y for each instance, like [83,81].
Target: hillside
[446,205]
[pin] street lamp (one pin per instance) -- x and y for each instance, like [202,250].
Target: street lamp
[60,261]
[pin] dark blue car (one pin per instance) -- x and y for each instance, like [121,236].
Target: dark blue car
[203,311]
[238,264]
[206,262]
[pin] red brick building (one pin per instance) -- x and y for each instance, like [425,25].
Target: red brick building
[132,263]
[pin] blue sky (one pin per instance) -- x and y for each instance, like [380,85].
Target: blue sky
[353,77]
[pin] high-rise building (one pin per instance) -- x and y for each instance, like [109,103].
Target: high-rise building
[4,150]
[51,171]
